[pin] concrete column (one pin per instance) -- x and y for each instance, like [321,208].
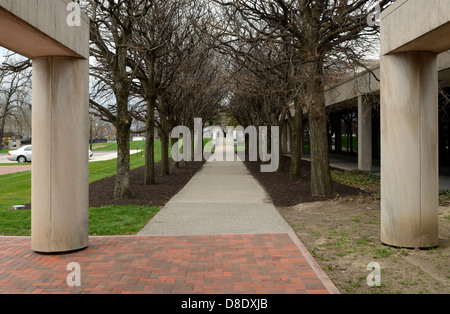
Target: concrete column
[60,173]
[364,135]
[409,149]
[338,135]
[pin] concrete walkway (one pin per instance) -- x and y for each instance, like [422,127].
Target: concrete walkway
[222,198]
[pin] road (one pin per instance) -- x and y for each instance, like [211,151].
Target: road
[98,156]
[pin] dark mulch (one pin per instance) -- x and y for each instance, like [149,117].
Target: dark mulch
[101,192]
[285,192]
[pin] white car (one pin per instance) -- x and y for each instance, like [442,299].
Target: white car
[22,155]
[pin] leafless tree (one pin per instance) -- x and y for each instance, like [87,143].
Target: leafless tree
[111,30]
[175,72]
[321,34]
[15,91]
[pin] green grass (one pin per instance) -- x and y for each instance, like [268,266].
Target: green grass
[104,221]
[444,197]
[354,142]
[119,220]
[15,189]
[15,223]
[357,179]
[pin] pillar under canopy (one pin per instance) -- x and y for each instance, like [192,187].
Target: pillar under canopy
[60,168]
[409,152]
[364,135]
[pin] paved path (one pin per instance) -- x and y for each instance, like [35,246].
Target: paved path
[14,169]
[219,235]
[227,264]
[222,198]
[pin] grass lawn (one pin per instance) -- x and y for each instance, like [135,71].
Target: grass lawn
[119,220]
[15,189]
[104,221]
[358,179]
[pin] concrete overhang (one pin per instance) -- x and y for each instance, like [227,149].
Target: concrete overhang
[367,82]
[30,31]
[407,26]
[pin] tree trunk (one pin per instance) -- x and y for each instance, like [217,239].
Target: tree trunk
[149,178]
[2,129]
[165,165]
[321,183]
[122,187]
[1,137]
[296,144]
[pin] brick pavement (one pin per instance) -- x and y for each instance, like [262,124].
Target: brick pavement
[14,169]
[206,264]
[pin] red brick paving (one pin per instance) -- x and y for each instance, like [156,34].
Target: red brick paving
[209,264]
[14,169]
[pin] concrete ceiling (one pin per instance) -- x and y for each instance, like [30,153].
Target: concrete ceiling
[21,37]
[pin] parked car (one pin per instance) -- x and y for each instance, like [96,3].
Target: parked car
[21,155]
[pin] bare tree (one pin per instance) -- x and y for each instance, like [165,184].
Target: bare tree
[151,40]
[320,34]
[111,29]
[15,89]
[172,57]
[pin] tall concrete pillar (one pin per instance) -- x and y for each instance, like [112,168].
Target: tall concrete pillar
[364,135]
[338,134]
[409,149]
[60,177]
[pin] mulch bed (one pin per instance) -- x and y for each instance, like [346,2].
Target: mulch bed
[285,192]
[101,192]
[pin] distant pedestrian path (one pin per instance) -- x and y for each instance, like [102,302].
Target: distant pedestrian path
[14,169]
